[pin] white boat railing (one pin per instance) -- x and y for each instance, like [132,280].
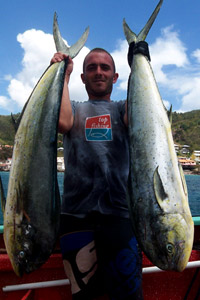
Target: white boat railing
[61,282]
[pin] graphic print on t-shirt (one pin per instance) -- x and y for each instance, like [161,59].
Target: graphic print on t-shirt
[98,128]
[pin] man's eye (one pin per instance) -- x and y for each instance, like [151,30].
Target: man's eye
[90,68]
[105,67]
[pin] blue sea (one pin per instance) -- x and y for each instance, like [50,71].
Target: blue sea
[193,185]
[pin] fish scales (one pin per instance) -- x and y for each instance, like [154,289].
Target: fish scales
[150,128]
[157,198]
[32,210]
[33,202]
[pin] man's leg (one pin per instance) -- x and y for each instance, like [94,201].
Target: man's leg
[121,258]
[79,258]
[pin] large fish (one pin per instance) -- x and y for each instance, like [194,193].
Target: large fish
[31,217]
[158,198]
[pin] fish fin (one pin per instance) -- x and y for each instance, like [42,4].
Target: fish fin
[19,200]
[15,121]
[161,196]
[132,37]
[26,216]
[183,179]
[169,113]
[129,34]
[60,44]
[3,198]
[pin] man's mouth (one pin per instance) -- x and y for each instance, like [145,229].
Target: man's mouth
[99,80]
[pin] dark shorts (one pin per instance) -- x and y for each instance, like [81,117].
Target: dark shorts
[101,256]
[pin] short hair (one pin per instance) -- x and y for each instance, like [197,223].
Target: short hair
[99,50]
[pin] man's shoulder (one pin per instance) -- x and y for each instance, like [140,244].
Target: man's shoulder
[119,103]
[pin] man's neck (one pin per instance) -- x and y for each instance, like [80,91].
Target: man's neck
[99,98]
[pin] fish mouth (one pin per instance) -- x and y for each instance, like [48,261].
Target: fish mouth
[178,263]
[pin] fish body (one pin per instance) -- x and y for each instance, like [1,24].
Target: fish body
[31,215]
[158,198]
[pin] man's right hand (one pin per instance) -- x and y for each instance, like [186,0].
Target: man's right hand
[58,57]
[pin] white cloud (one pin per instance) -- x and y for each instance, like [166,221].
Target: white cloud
[173,70]
[168,50]
[38,50]
[122,67]
[191,94]
[166,104]
[77,88]
[196,54]
[181,78]
[6,103]
[3,101]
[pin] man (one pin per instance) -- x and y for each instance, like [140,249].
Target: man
[100,252]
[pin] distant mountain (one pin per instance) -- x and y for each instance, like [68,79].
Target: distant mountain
[7,131]
[7,134]
[185,128]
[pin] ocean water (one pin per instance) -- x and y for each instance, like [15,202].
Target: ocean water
[5,178]
[193,185]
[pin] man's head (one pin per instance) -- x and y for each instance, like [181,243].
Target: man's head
[99,74]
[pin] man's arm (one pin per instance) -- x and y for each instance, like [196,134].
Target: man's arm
[66,118]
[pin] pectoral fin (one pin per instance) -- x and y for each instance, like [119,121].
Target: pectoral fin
[183,179]
[3,198]
[160,194]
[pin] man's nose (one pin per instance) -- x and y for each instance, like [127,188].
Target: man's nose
[98,70]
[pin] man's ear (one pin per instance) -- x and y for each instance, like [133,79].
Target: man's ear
[83,78]
[115,77]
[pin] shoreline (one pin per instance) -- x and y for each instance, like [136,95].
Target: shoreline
[186,172]
[189,172]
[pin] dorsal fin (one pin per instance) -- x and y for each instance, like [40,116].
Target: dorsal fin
[169,113]
[15,122]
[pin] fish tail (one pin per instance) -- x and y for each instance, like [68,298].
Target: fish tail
[132,37]
[60,44]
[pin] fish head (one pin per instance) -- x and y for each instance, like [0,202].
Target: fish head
[173,242]
[19,246]
[25,252]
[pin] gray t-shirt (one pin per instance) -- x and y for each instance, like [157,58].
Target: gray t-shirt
[96,160]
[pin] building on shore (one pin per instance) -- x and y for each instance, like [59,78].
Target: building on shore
[60,164]
[5,165]
[196,154]
[187,163]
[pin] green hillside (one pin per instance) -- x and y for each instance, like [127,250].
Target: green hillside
[185,128]
[7,134]
[7,130]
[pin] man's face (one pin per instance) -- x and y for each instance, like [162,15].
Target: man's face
[99,75]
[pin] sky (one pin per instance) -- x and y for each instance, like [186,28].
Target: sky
[27,46]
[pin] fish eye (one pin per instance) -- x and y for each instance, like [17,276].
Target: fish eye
[169,248]
[21,254]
